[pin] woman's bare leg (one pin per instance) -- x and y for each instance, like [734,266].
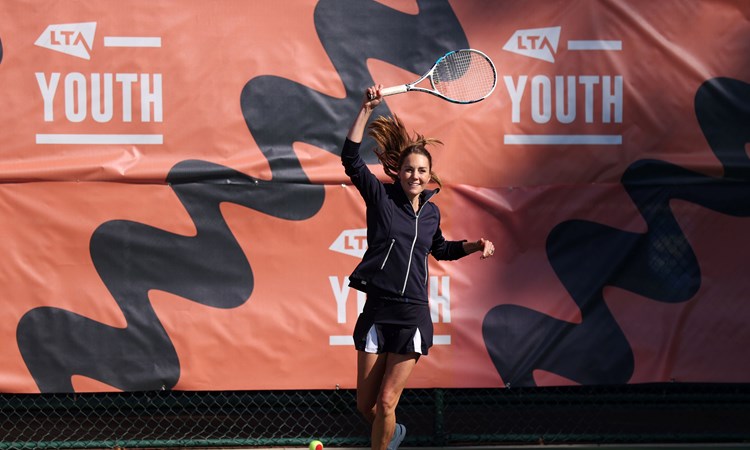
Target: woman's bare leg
[370,370]
[398,368]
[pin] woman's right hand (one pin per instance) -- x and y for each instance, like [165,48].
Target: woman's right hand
[372,97]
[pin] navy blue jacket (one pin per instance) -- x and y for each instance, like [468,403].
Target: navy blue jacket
[398,239]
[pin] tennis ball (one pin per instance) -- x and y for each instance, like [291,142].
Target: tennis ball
[316,445]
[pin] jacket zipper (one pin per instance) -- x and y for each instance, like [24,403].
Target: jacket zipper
[388,253]
[413,243]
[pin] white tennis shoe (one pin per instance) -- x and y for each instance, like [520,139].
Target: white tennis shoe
[398,435]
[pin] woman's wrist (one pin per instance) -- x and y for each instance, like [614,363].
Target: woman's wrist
[474,246]
[357,131]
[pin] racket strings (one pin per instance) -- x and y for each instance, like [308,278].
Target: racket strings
[464,76]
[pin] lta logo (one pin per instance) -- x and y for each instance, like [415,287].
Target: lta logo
[539,43]
[75,39]
[351,242]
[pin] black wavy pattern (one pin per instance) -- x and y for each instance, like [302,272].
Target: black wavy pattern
[658,264]
[210,267]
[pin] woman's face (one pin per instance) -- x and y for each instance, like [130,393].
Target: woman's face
[414,174]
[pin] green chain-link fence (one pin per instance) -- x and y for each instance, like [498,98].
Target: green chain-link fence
[434,417]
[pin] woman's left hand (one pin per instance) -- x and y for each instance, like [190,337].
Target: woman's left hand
[486,247]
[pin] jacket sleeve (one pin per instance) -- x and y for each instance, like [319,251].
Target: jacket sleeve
[371,189]
[443,249]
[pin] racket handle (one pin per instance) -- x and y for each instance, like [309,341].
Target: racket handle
[393,90]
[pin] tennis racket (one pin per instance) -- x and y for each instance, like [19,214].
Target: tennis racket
[461,76]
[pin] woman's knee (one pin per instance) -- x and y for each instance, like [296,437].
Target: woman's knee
[387,402]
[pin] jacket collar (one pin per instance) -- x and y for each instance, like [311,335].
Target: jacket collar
[426,194]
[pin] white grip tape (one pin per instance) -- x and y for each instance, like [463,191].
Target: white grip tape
[393,90]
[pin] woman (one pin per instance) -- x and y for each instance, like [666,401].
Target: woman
[403,228]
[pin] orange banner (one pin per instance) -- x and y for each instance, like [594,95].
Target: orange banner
[175,214]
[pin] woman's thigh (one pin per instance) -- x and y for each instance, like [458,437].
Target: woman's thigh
[370,371]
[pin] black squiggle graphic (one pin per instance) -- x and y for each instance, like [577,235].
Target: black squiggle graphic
[133,259]
[658,264]
[351,32]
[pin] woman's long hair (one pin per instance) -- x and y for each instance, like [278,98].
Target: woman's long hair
[395,144]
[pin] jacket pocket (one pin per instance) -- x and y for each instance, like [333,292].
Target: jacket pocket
[426,270]
[388,253]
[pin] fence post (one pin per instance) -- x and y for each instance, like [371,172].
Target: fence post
[439,438]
